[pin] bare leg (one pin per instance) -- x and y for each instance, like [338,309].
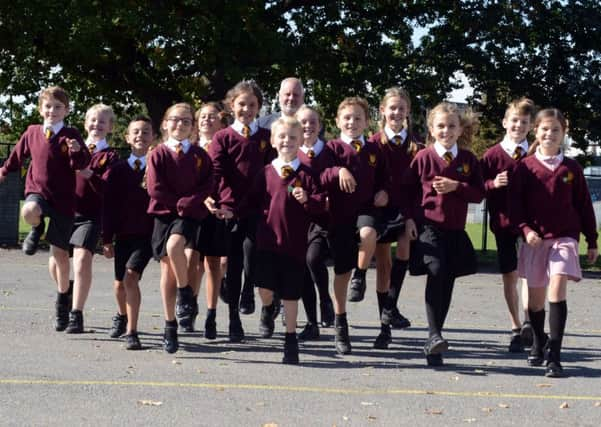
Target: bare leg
[120,296]
[177,259]
[340,289]
[61,262]
[367,247]
[291,311]
[133,298]
[168,289]
[214,276]
[510,282]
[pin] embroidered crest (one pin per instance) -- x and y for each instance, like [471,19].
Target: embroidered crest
[262,146]
[102,161]
[297,183]
[464,169]
[372,159]
[568,178]
[64,148]
[198,162]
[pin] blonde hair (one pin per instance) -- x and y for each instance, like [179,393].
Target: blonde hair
[100,109]
[548,113]
[290,122]
[354,101]
[523,106]
[56,92]
[468,120]
[244,86]
[306,107]
[182,105]
[398,92]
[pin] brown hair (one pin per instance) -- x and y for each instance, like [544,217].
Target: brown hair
[306,107]
[354,100]
[523,106]
[468,121]
[56,92]
[548,113]
[245,86]
[183,105]
[397,92]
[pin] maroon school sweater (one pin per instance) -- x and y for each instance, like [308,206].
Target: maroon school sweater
[236,161]
[398,161]
[179,183]
[317,165]
[125,204]
[52,169]
[447,211]
[89,193]
[283,222]
[370,170]
[552,203]
[495,161]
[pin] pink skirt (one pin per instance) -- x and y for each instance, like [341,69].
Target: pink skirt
[551,257]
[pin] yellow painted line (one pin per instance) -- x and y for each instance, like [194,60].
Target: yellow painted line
[298,389]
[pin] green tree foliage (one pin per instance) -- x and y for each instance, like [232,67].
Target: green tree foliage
[144,55]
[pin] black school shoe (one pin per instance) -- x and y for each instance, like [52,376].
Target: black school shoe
[210,328]
[536,357]
[516,344]
[119,325]
[326,309]
[383,340]
[266,323]
[527,334]
[186,308]
[31,242]
[309,333]
[247,303]
[170,341]
[342,341]
[434,360]
[357,289]
[132,342]
[394,318]
[236,332]
[75,325]
[436,345]
[290,350]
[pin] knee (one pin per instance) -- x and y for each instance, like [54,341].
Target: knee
[175,243]
[213,263]
[31,213]
[367,235]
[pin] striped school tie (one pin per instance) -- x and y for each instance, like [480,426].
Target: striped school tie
[448,157]
[356,144]
[49,133]
[286,171]
[137,164]
[518,153]
[92,148]
[310,154]
[179,148]
[246,132]
[397,140]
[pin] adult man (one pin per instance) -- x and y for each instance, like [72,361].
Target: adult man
[291,96]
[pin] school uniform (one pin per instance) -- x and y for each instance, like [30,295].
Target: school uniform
[398,150]
[125,219]
[50,180]
[282,225]
[237,159]
[503,156]
[349,212]
[89,196]
[549,195]
[443,250]
[179,178]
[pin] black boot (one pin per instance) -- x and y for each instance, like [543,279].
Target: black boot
[342,340]
[211,324]
[266,323]
[358,285]
[170,341]
[290,349]
[75,325]
[62,308]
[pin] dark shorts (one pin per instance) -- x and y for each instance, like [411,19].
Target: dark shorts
[279,273]
[131,254]
[344,244]
[447,252]
[165,226]
[85,233]
[507,251]
[213,237]
[59,225]
[390,224]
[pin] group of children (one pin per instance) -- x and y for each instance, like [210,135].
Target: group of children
[222,195]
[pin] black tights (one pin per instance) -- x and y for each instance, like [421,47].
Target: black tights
[315,273]
[240,259]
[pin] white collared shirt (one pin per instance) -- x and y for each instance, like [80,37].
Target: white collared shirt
[348,139]
[237,126]
[441,150]
[277,164]
[509,146]
[172,144]
[132,158]
[390,134]
[56,128]
[99,145]
[319,144]
[550,162]
[203,143]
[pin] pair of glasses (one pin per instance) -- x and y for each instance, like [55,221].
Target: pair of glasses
[184,121]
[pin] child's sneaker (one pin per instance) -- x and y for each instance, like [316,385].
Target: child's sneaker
[132,342]
[170,341]
[119,325]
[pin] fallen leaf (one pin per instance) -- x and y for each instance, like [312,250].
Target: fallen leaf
[456,378]
[371,418]
[434,411]
[150,402]
[486,409]
[597,404]
[469,420]
[228,352]
[345,418]
[367,403]
[478,371]
[503,405]
[564,405]
[176,362]
[155,315]
[200,371]
[260,404]
[270,425]
[543,385]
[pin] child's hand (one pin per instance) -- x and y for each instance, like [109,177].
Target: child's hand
[501,180]
[300,194]
[444,185]
[411,229]
[108,250]
[210,204]
[347,181]
[592,255]
[86,173]
[381,199]
[224,213]
[533,239]
[73,145]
